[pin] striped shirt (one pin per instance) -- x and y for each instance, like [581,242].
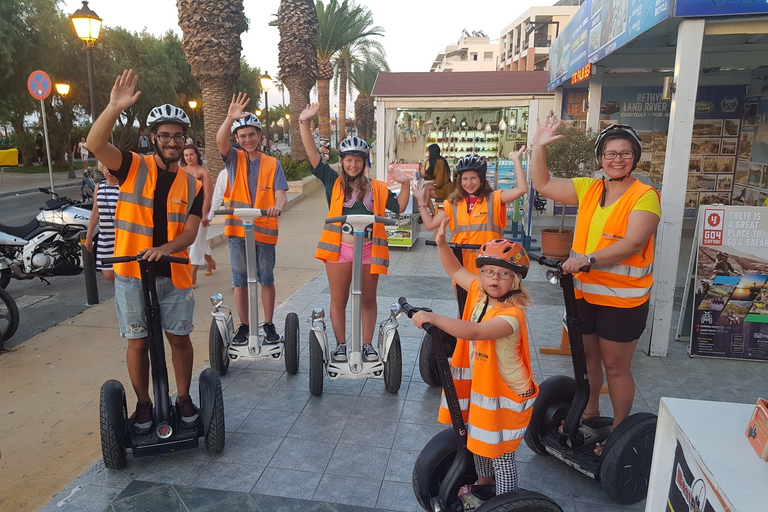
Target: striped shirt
[106,202]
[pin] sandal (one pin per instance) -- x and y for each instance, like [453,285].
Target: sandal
[599,446]
[584,416]
[211,268]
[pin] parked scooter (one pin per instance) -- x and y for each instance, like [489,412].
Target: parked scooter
[87,186]
[47,246]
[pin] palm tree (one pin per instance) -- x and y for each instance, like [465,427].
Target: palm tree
[362,50]
[339,25]
[363,77]
[212,45]
[297,23]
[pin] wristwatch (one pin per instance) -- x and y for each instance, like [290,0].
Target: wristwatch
[592,260]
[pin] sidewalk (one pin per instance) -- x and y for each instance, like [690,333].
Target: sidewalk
[14,183]
[353,448]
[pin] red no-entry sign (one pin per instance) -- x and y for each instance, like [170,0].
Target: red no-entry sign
[39,84]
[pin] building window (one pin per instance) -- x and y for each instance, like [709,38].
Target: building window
[488,56]
[474,56]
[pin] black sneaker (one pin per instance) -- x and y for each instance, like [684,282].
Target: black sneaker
[340,354]
[190,416]
[241,336]
[142,418]
[369,353]
[269,330]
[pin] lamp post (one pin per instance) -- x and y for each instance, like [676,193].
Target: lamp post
[193,105]
[288,126]
[87,26]
[266,84]
[336,122]
[63,89]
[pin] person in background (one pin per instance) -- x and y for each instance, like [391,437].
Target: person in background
[200,250]
[103,216]
[84,153]
[143,143]
[438,173]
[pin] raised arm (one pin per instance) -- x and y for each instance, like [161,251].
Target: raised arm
[405,189]
[208,196]
[122,96]
[453,267]
[420,195]
[521,180]
[235,112]
[558,189]
[305,118]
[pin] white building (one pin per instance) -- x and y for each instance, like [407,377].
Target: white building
[524,43]
[473,52]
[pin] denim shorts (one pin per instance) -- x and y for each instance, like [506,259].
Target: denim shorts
[265,262]
[176,307]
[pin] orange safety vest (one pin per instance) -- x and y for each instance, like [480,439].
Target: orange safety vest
[265,228]
[134,224]
[623,285]
[486,222]
[330,239]
[496,416]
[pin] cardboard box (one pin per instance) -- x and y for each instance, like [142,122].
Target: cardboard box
[757,429]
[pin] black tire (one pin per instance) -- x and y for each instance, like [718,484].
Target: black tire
[291,343]
[5,277]
[218,350]
[625,464]
[431,466]
[316,365]
[393,366]
[9,316]
[427,362]
[112,398]
[520,501]
[549,410]
[215,434]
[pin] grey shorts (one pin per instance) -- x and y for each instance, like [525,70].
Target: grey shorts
[176,307]
[265,262]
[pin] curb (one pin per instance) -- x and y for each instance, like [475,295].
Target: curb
[35,189]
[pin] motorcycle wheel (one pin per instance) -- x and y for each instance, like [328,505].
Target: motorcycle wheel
[9,316]
[5,277]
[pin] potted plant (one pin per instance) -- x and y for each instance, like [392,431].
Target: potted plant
[570,157]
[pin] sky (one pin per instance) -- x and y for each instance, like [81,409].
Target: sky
[415,30]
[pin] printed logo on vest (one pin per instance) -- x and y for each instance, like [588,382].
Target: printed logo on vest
[179,201]
[480,355]
[611,236]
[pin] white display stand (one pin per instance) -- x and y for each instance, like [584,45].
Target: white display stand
[701,453]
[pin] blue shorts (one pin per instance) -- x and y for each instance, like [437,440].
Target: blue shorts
[176,307]
[265,262]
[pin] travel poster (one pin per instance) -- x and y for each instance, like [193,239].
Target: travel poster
[401,234]
[690,487]
[730,317]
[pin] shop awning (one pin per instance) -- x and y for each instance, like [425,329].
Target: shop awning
[476,83]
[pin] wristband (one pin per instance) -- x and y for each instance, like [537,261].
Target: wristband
[301,121]
[422,206]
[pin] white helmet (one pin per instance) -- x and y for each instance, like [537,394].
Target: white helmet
[353,146]
[249,120]
[167,114]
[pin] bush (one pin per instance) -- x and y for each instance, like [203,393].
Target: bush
[333,157]
[8,142]
[294,171]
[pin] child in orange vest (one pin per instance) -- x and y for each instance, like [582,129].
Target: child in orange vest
[476,213]
[491,364]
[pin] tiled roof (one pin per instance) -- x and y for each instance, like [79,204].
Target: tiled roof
[475,83]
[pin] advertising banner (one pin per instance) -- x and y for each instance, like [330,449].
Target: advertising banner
[597,29]
[690,486]
[401,234]
[751,181]
[730,317]
[701,8]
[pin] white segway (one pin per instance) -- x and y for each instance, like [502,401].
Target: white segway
[390,363]
[221,349]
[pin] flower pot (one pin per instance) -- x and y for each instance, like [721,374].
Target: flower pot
[556,244]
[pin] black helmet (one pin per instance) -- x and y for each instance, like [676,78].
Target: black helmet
[167,114]
[353,146]
[619,131]
[473,162]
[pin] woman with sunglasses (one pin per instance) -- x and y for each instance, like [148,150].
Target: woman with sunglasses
[615,227]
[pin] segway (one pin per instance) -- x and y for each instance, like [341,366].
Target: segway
[427,362]
[220,347]
[168,434]
[389,365]
[624,466]
[445,463]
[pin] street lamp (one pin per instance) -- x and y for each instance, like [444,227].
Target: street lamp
[63,89]
[288,128]
[87,26]
[336,122]
[257,112]
[266,84]
[193,105]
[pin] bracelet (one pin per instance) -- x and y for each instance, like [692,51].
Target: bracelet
[423,206]
[301,121]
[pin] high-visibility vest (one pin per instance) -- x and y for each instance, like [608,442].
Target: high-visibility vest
[330,239]
[623,285]
[134,223]
[496,417]
[265,228]
[486,222]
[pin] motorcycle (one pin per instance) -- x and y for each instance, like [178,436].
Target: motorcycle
[49,245]
[87,186]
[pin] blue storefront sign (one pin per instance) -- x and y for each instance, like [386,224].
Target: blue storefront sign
[597,29]
[701,8]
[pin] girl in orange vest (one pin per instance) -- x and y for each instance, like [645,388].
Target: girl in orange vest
[351,192]
[476,213]
[491,365]
[615,225]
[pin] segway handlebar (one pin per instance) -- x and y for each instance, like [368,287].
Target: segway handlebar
[361,218]
[412,310]
[454,245]
[232,211]
[555,264]
[126,259]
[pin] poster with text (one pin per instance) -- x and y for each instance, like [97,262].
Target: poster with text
[731,301]
[690,487]
[401,234]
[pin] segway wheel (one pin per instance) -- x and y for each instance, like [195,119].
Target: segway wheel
[214,434]
[9,316]
[427,363]
[549,410]
[625,464]
[315,365]
[292,343]
[113,415]
[218,351]
[393,366]
[433,464]
[520,501]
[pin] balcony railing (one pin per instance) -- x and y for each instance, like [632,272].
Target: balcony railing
[542,42]
[525,44]
[517,49]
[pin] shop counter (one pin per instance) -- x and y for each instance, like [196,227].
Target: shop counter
[702,460]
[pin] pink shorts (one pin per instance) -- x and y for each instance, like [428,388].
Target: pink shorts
[347,251]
